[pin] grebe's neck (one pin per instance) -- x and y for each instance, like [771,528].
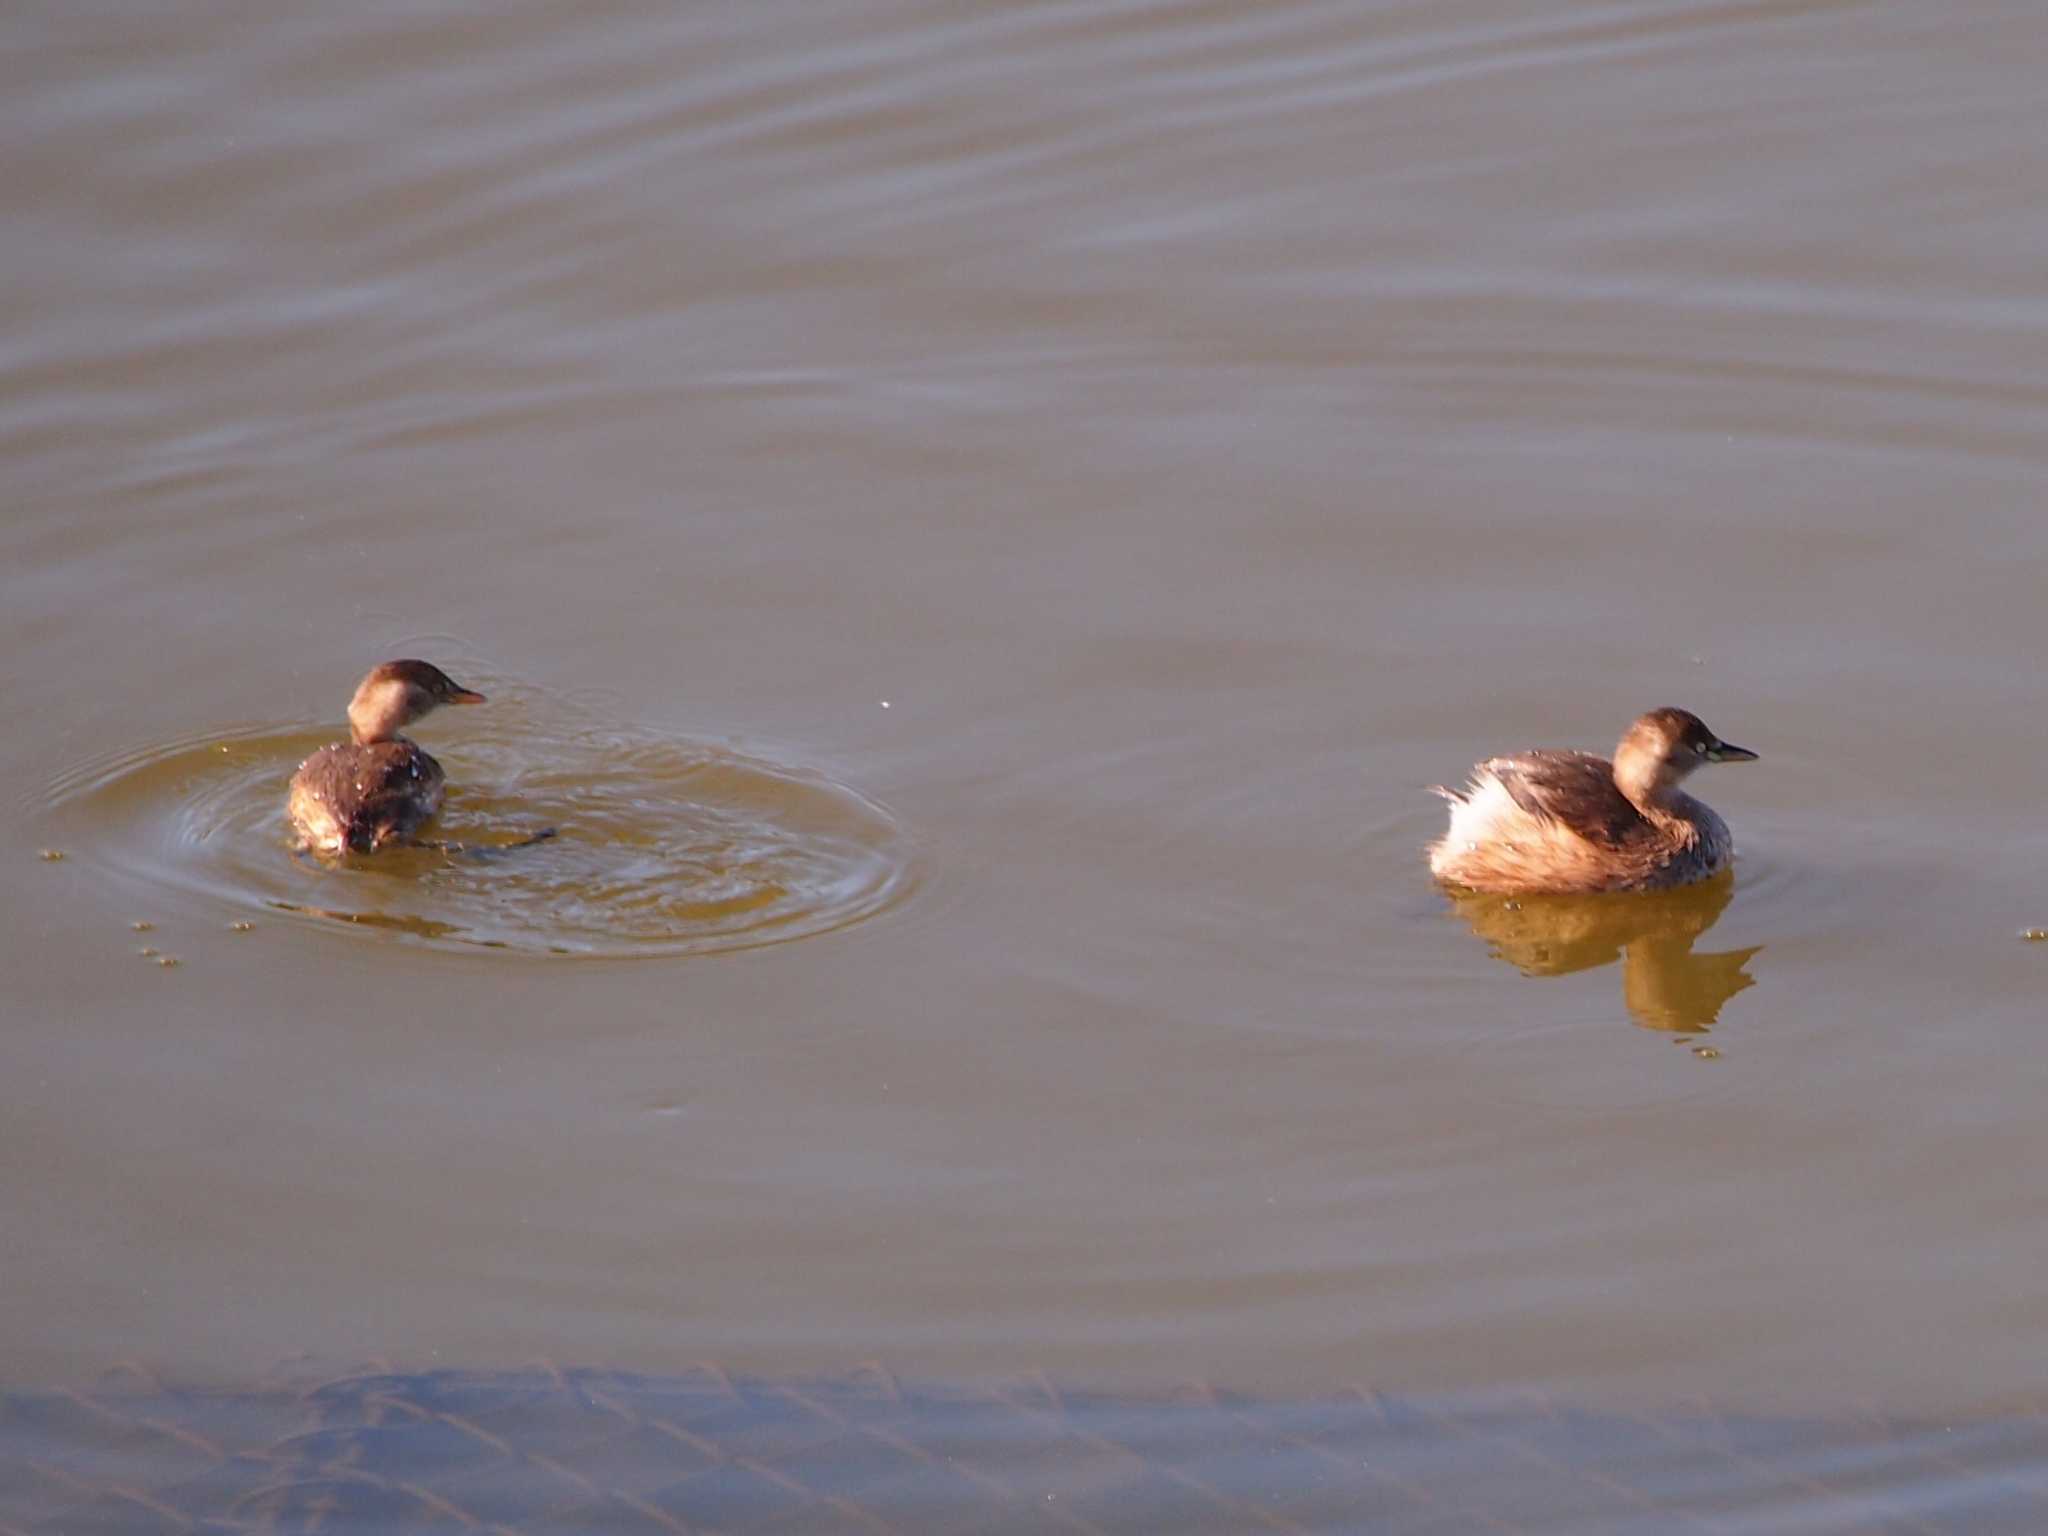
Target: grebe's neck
[377,712]
[1650,780]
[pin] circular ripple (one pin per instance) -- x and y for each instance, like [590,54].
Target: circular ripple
[660,847]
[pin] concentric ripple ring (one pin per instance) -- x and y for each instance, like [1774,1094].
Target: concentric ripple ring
[660,845]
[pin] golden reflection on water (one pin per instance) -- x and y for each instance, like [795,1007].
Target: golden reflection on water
[1664,984]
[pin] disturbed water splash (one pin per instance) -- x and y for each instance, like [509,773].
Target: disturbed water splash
[660,845]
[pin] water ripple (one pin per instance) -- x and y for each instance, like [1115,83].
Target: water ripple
[662,846]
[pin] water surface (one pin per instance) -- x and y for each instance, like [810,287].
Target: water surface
[1140,447]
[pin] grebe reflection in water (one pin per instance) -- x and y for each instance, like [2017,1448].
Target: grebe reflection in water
[1664,984]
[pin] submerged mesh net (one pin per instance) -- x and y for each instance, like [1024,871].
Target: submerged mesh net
[546,1450]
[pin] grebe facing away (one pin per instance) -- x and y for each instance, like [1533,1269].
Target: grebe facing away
[1570,821]
[376,788]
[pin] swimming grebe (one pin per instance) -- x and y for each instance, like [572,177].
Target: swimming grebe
[376,788]
[1570,821]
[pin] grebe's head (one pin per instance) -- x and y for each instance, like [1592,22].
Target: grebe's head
[1662,747]
[396,693]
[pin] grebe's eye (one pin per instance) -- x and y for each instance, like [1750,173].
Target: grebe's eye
[1699,748]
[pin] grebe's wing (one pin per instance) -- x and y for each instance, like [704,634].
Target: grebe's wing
[1574,789]
[398,771]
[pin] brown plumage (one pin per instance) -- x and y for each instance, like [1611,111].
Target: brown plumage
[377,788]
[1570,821]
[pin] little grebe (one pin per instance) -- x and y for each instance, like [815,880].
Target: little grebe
[376,788]
[1569,821]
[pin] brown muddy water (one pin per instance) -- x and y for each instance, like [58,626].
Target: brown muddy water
[980,525]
